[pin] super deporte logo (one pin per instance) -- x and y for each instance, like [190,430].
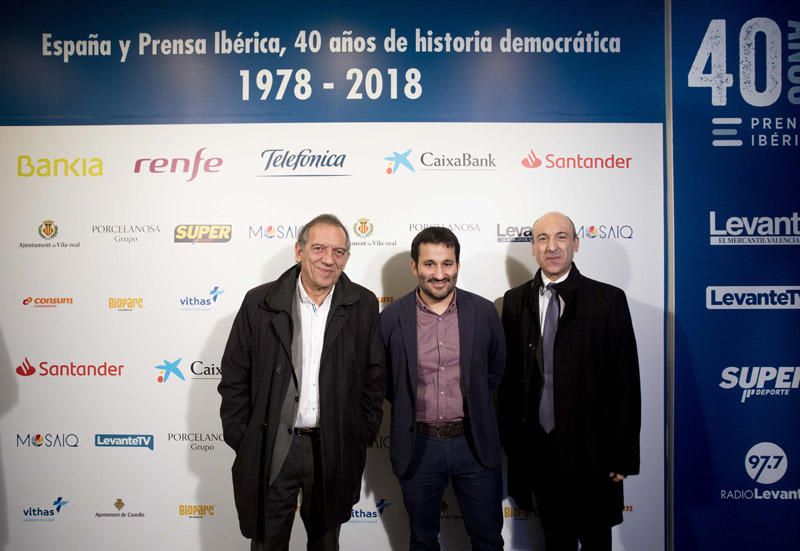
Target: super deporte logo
[761,381]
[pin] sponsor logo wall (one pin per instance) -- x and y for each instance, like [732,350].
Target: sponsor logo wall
[131,242]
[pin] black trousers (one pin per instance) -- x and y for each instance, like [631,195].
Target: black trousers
[299,473]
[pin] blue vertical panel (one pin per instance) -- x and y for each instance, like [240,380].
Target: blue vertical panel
[736,82]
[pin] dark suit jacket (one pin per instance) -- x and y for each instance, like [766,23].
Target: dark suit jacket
[482,361]
[596,385]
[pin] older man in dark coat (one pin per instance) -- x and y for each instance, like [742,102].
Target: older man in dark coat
[569,401]
[302,386]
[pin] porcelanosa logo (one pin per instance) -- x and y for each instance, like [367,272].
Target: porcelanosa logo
[203,302]
[47,369]
[760,381]
[127,234]
[760,297]
[124,441]
[398,161]
[531,160]
[46,513]
[276,231]
[48,440]
[455,227]
[765,464]
[197,441]
[201,162]
[460,161]
[360,515]
[754,230]
[605,231]
[282,163]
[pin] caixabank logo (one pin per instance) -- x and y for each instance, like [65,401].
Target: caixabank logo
[765,464]
[760,382]
[753,230]
[48,440]
[458,161]
[44,513]
[535,160]
[71,369]
[368,515]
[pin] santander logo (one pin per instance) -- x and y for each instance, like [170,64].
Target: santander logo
[612,161]
[26,369]
[531,160]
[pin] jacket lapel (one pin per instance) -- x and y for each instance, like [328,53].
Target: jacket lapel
[408,328]
[466,336]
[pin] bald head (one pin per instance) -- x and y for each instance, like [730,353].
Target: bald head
[554,243]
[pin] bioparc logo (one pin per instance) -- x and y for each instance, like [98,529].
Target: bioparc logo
[124,441]
[360,515]
[119,505]
[48,440]
[362,229]
[204,302]
[277,231]
[48,231]
[125,304]
[765,463]
[203,233]
[399,161]
[288,163]
[186,166]
[532,161]
[196,511]
[757,297]
[760,381]
[754,230]
[47,302]
[47,369]
[605,231]
[46,513]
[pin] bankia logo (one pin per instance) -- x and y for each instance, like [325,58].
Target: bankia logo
[48,440]
[571,160]
[47,302]
[44,513]
[754,230]
[203,302]
[605,231]
[203,233]
[506,233]
[47,232]
[274,231]
[71,369]
[168,368]
[125,234]
[124,441]
[398,161]
[28,167]
[765,463]
[761,381]
[287,163]
[458,161]
[189,167]
[755,297]
[360,515]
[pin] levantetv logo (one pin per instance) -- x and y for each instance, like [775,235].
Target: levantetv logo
[283,163]
[759,297]
[754,230]
[761,381]
[46,513]
[124,441]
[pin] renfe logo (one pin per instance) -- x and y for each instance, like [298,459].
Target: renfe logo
[162,165]
[753,298]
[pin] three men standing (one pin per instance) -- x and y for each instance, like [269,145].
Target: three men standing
[445,354]
[302,388]
[569,403]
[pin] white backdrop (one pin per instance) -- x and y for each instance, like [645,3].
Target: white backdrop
[115,239]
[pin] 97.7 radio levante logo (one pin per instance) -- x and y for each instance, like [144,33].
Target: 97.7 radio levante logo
[766,464]
[762,54]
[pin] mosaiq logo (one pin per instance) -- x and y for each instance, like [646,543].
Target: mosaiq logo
[47,369]
[532,161]
[754,230]
[276,231]
[199,163]
[48,440]
[287,163]
[44,513]
[765,463]
[203,302]
[605,231]
[761,381]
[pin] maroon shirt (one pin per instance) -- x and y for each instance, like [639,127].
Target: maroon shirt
[439,398]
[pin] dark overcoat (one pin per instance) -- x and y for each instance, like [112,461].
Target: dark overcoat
[257,371]
[596,390]
[482,354]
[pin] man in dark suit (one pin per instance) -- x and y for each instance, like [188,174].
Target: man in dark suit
[445,354]
[569,403]
[302,388]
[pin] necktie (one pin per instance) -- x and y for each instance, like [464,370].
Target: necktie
[546,413]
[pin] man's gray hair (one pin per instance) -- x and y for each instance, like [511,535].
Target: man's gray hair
[330,219]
